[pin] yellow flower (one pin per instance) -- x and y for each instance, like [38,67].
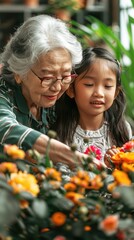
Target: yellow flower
[24,182]
[14,152]
[121,178]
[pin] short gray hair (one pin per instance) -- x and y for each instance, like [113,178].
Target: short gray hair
[37,35]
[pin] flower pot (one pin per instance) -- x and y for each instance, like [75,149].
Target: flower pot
[31,3]
[63,14]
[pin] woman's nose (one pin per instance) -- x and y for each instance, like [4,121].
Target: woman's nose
[56,86]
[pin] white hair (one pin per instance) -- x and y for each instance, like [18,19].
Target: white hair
[37,35]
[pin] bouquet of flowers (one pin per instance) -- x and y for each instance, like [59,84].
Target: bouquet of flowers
[38,204]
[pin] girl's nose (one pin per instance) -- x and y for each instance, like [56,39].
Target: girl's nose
[98,92]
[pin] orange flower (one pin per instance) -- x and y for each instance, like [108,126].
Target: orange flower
[70,187]
[24,204]
[127,167]
[123,157]
[96,182]
[121,178]
[81,179]
[58,218]
[8,167]
[87,228]
[14,152]
[52,173]
[111,186]
[117,158]
[45,230]
[55,184]
[74,197]
[24,182]
[110,224]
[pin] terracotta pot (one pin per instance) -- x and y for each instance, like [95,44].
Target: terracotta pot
[63,14]
[31,3]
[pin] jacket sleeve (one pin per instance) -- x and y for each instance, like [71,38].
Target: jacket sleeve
[13,132]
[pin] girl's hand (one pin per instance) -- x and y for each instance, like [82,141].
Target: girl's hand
[108,155]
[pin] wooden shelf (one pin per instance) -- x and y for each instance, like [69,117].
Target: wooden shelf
[27,10]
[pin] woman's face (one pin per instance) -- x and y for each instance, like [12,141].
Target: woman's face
[95,90]
[55,64]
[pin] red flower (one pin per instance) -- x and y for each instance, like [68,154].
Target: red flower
[94,151]
[128,146]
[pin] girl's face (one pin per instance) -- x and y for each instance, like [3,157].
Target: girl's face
[56,64]
[95,90]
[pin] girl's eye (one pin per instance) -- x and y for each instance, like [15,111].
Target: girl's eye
[89,84]
[107,86]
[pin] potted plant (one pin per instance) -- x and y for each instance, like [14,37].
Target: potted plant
[65,9]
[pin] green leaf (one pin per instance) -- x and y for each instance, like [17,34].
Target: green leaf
[9,209]
[126,196]
[40,208]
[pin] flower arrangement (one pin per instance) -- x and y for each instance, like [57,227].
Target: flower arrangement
[37,203]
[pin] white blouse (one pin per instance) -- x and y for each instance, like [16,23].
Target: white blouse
[100,138]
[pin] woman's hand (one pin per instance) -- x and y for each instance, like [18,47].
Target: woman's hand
[59,152]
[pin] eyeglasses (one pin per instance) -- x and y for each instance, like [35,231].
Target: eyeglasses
[47,81]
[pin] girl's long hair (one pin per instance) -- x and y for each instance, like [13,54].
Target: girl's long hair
[67,115]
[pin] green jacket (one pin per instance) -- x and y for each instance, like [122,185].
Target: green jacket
[17,125]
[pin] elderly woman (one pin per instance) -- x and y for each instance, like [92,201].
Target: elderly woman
[38,64]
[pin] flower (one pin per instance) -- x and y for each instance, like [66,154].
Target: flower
[22,181]
[94,151]
[37,203]
[58,218]
[95,155]
[110,224]
[14,152]
[125,156]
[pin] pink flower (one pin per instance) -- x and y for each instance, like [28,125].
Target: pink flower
[94,151]
[59,238]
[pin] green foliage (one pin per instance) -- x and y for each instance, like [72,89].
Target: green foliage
[69,5]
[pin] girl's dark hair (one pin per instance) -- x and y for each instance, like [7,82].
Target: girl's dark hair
[67,115]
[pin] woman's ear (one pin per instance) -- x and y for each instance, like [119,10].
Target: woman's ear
[70,91]
[17,78]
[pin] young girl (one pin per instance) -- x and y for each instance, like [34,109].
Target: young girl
[93,106]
